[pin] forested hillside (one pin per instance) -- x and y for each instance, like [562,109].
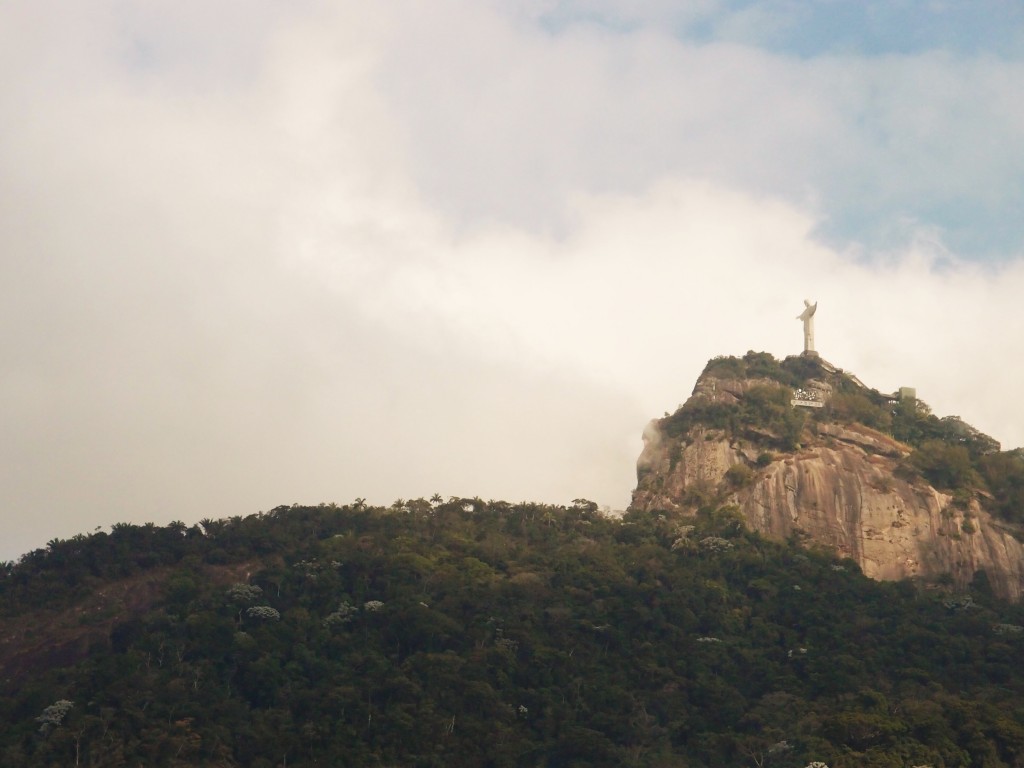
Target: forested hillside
[471,633]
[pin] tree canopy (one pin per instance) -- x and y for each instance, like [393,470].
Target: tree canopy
[472,633]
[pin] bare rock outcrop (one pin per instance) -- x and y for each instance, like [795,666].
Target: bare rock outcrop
[841,487]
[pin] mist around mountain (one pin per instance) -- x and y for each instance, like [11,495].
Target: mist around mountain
[464,632]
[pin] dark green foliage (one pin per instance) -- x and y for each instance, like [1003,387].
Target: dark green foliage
[714,415]
[765,409]
[800,368]
[768,408]
[913,423]
[945,466]
[790,372]
[859,407]
[763,365]
[739,475]
[1004,478]
[955,457]
[764,413]
[488,634]
[725,368]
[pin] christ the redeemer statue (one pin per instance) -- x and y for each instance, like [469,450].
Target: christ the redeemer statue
[808,317]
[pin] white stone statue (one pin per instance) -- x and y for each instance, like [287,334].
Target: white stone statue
[808,317]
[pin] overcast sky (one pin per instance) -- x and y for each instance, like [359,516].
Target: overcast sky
[256,253]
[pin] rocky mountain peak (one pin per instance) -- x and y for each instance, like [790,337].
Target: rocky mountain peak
[806,451]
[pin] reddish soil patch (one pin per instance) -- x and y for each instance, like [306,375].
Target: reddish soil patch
[44,639]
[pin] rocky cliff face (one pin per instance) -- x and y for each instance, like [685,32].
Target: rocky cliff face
[837,484]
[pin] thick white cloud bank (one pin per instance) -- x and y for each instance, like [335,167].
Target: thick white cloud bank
[270,255]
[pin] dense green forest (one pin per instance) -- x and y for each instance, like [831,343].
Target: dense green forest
[472,633]
[946,452]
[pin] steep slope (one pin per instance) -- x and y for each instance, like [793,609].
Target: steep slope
[817,473]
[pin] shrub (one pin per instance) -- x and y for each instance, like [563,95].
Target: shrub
[945,466]
[54,715]
[739,475]
[263,612]
[244,593]
[858,407]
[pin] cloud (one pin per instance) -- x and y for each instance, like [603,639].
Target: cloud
[874,142]
[336,251]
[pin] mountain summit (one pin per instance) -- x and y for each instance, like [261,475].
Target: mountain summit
[803,450]
[467,633]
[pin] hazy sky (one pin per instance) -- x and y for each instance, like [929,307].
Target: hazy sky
[256,253]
